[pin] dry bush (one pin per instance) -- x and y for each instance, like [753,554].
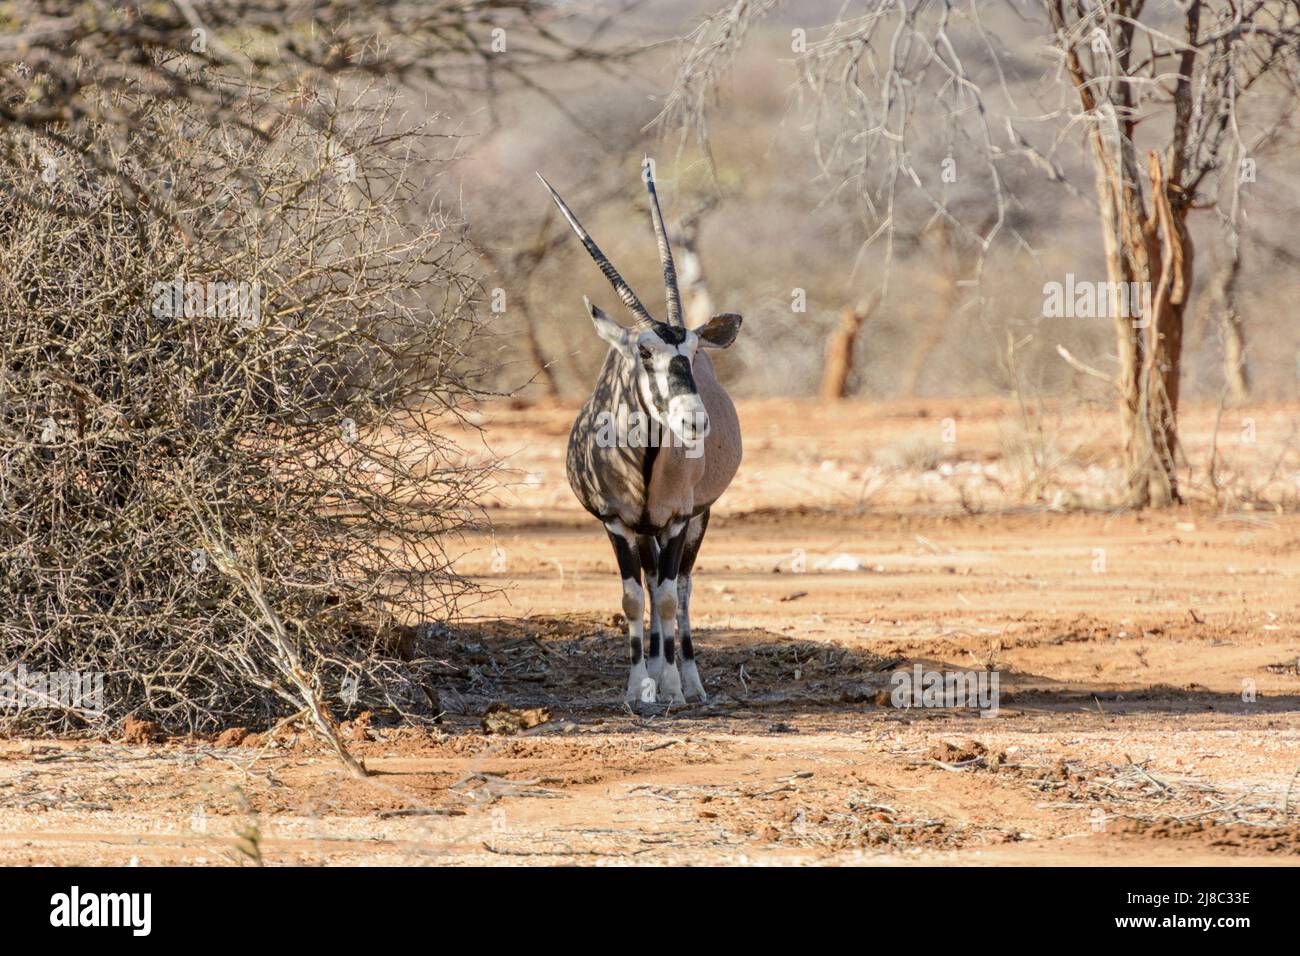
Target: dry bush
[236,510]
[915,454]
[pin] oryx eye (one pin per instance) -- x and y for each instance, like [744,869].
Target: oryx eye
[645,353]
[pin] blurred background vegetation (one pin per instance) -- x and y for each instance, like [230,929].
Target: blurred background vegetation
[783,216]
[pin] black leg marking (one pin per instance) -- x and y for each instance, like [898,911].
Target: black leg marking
[690,551]
[648,552]
[628,565]
[688,649]
[691,547]
[670,560]
[670,555]
[629,569]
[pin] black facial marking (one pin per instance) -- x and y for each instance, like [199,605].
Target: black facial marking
[659,399]
[680,379]
[671,334]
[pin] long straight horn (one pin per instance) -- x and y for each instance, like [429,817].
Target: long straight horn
[665,250]
[617,281]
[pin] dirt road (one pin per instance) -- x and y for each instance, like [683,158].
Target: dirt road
[1148,697]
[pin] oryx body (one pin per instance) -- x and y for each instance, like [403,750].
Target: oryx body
[654,446]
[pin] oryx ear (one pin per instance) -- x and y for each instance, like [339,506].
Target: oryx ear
[720,331]
[609,330]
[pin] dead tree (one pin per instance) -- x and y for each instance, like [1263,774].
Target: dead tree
[840,350]
[1221,308]
[1186,64]
[1221,302]
[695,288]
[1122,67]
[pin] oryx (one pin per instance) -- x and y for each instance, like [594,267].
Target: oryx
[652,449]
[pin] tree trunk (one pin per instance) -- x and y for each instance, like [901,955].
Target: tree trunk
[1124,264]
[1169,262]
[839,352]
[1152,248]
[1147,247]
[1223,308]
[690,274]
[935,325]
[1234,353]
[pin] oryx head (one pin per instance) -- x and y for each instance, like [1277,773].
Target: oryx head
[660,355]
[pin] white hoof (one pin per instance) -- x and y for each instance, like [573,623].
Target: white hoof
[637,681]
[670,686]
[692,686]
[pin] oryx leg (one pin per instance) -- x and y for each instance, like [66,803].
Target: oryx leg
[648,551]
[665,604]
[629,569]
[692,686]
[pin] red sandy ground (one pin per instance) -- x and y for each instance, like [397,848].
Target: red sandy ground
[1123,735]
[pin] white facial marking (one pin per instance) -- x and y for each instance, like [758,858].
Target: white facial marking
[686,419]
